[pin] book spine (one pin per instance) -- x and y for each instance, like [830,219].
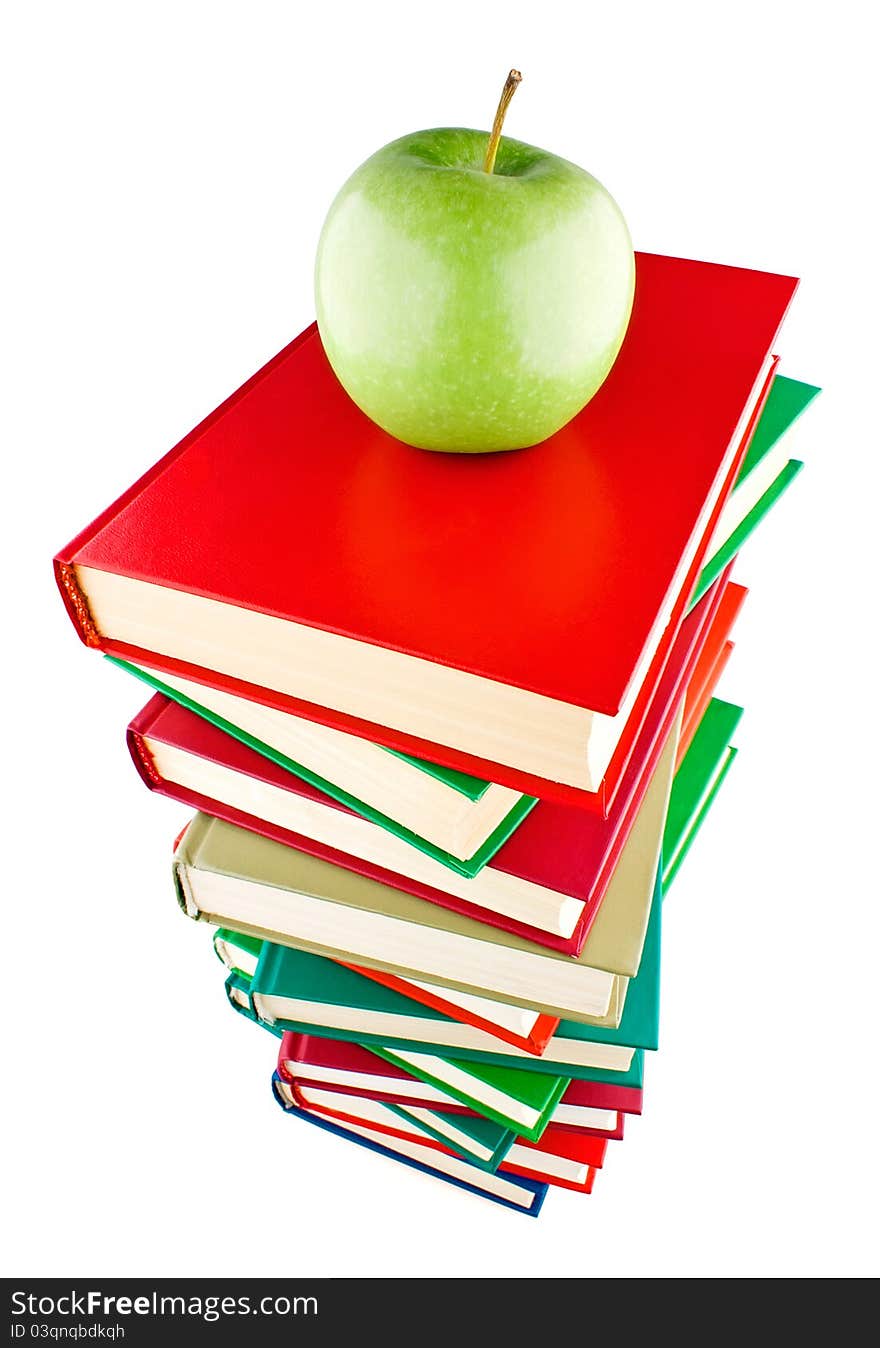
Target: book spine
[186,850]
[239,996]
[138,728]
[292,1048]
[142,758]
[185,900]
[292,1085]
[76,604]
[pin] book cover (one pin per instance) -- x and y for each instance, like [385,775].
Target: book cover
[265,604]
[238,952]
[749,524]
[674,866]
[563,1161]
[711,661]
[786,401]
[517,1098]
[698,780]
[767,471]
[695,710]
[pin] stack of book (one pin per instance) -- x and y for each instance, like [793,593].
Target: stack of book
[450,723]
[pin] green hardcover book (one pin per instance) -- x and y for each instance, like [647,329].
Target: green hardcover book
[727,764]
[766,473]
[697,782]
[787,399]
[732,544]
[449,805]
[239,953]
[516,1098]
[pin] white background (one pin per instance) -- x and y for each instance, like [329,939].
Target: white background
[166,171]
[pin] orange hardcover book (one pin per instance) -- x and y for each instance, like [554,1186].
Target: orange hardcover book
[477,1011]
[698,704]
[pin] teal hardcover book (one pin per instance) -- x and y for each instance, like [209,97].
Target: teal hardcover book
[238,992]
[240,998]
[484,1142]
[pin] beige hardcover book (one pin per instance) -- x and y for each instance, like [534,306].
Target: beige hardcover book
[229,876]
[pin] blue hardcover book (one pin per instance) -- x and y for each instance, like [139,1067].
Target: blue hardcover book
[511,1191]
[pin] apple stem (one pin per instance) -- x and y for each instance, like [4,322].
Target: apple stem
[507,93]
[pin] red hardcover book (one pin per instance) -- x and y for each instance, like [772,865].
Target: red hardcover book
[586,1187]
[591,1107]
[558,1148]
[559,848]
[505,614]
[562,1158]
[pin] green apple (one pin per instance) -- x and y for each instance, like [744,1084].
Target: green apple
[472,308]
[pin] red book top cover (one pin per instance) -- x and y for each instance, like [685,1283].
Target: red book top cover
[562,847]
[314,1056]
[288,500]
